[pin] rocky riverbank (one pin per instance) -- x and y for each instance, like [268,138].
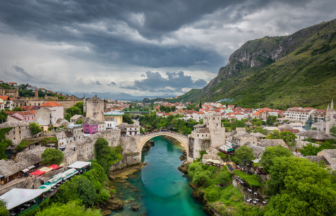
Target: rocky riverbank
[120,176]
[213,209]
[148,145]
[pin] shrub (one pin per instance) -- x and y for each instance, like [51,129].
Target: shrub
[212,195]
[201,178]
[34,128]
[104,195]
[113,191]
[52,156]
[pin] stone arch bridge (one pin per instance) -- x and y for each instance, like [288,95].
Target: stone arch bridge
[179,137]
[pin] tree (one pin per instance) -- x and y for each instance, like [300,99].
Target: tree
[300,187]
[244,155]
[127,118]
[173,108]
[74,110]
[34,128]
[17,109]
[67,117]
[52,156]
[273,152]
[314,128]
[73,208]
[162,108]
[333,131]
[288,137]
[3,209]
[3,116]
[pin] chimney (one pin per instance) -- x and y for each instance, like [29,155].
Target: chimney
[36,93]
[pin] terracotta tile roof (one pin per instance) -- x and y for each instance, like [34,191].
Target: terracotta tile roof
[51,104]
[23,113]
[290,130]
[257,113]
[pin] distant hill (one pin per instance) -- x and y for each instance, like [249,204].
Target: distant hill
[115,96]
[278,72]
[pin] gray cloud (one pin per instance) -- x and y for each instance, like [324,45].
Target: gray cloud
[96,83]
[174,82]
[124,37]
[112,84]
[22,72]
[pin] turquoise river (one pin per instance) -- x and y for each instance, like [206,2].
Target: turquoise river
[159,189]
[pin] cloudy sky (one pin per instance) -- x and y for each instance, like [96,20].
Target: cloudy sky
[139,47]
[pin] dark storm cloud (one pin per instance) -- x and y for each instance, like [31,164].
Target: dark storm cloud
[112,84]
[22,72]
[72,22]
[173,83]
[95,83]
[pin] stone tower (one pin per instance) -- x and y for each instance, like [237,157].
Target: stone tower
[329,117]
[95,108]
[212,121]
[36,94]
[84,104]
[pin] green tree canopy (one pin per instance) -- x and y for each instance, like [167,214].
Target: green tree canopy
[80,187]
[68,117]
[52,156]
[73,208]
[273,152]
[244,154]
[34,128]
[17,109]
[127,118]
[300,188]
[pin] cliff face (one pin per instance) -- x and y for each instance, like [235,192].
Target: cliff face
[257,73]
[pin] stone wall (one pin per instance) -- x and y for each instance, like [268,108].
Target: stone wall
[130,144]
[17,134]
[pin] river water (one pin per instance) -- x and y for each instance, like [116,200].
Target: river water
[159,189]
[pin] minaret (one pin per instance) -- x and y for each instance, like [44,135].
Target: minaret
[84,104]
[328,119]
[332,112]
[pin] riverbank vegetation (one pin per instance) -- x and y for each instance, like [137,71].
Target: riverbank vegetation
[151,122]
[296,186]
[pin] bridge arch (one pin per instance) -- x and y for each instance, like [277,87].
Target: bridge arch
[181,138]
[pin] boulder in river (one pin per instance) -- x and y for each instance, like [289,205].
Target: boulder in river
[106,212]
[135,208]
[184,167]
[183,157]
[115,204]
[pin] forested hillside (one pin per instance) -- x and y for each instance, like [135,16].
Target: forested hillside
[278,72]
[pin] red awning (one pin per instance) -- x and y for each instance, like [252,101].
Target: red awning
[38,172]
[54,167]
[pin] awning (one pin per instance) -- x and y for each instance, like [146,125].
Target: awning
[231,149]
[18,196]
[25,170]
[79,164]
[54,167]
[38,172]
[31,167]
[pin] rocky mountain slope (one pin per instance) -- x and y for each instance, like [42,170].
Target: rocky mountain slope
[279,72]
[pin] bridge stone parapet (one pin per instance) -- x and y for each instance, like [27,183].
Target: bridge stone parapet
[179,137]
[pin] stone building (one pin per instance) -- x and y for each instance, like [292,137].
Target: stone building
[129,129]
[43,117]
[12,169]
[20,130]
[242,137]
[329,117]
[57,110]
[330,156]
[66,136]
[75,118]
[207,136]
[317,136]
[95,108]
[9,92]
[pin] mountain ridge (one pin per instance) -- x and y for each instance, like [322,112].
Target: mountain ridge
[257,74]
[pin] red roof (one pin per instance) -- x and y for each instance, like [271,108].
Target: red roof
[51,104]
[12,83]
[5,98]
[290,130]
